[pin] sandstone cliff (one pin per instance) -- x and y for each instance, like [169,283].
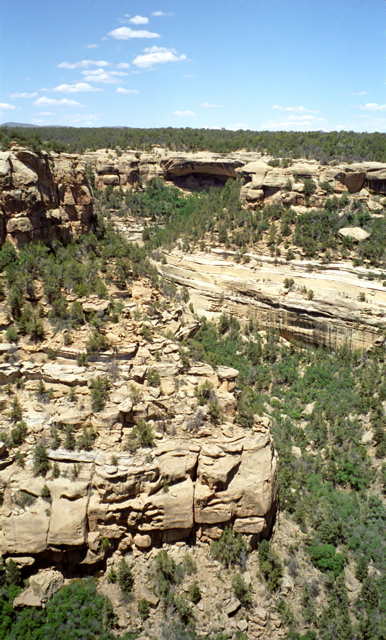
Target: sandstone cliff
[342,309]
[198,477]
[263,183]
[42,196]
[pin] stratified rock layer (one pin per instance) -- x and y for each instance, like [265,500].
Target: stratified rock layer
[185,488]
[42,197]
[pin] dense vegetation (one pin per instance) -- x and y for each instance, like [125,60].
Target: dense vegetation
[332,485]
[319,403]
[75,612]
[217,218]
[324,146]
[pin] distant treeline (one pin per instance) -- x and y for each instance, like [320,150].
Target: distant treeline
[323,146]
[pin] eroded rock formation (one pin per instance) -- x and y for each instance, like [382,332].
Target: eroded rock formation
[42,196]
[199,476]
[341,309]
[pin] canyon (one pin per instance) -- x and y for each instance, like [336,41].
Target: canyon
[202,471]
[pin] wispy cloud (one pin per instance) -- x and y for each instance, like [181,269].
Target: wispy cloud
[161,14]
[294,122]
[279,108]
[139,20]
[184,113]
[23,95]
[5,106]
[123,90]
[373,106]
[83,119]
[126,33]
[208,105]
[83,64]
[157,55]
[359,93]
[91,46]
[63,102]
[123,65]
[102,75]
[78,87]
[237,127]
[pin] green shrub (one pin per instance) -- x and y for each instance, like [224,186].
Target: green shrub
[96,343]
[143,609]
[41,463]
[153,378]
[242,590]
[55,470]
[24,499]
[86,440]
[82,359]
[100,388]
[46,493]
[230,548]
[194,592]
[270,565]
[69,440]
[326,559]
[12,334]
[204,392]
[16,412]
[20,459]
[140,436]
[125,576]
[167,573]
[19,433]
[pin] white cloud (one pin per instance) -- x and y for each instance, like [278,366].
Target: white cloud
[184,113]
[294,122]
[123,65]
[78,87]
[91,46]
[157,55]
[208,105]
[23,95]
[300,108]
[126,33]
[373,106]
[44,113]
[83,64]
[359,93]
[102,75]
[139,20]
[237,127]
[306,117]
[64,102]
[5,106]
[122,90]
[161,14]
[83,119]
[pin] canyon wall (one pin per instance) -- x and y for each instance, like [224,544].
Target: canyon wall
[42,196]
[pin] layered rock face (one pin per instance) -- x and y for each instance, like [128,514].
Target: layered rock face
[263,183]
[344,309]
[266,184]
[199,476]
[192,171]
[42,197]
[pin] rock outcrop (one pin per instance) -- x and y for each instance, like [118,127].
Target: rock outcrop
[341,308]
[199,476]
[263,183]
[43,196]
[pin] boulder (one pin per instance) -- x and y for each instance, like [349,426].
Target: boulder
[355,233]
[42,587]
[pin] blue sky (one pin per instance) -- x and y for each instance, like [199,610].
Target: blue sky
[240,64]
